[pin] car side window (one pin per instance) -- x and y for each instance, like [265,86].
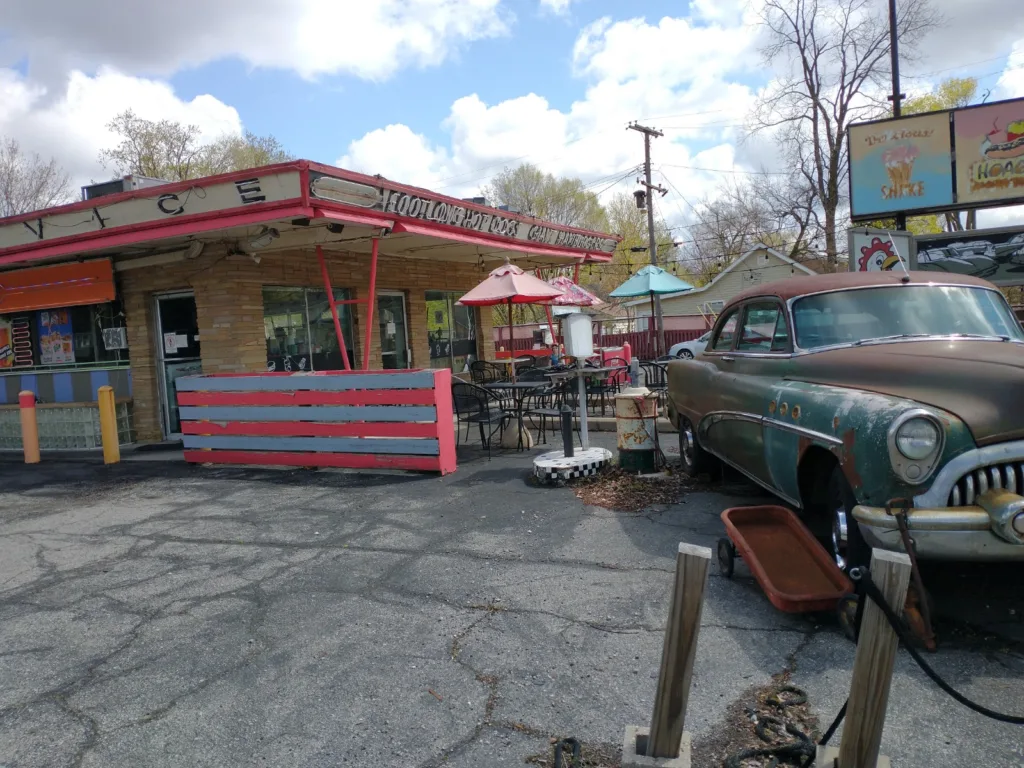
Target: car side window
[780,341]
[760,322]
[726,332]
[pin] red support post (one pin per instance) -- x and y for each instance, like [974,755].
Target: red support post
[334,308]
[370,301]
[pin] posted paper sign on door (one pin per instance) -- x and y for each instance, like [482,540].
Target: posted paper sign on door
[6,344]
[55,340]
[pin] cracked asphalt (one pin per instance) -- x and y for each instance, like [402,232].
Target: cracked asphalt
[153,614]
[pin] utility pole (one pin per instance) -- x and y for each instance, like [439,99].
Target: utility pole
[897,97]
[652,245]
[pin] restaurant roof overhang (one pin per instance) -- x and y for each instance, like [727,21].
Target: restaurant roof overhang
[305,205]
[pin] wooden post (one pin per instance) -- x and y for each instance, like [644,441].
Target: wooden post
[679,651]
[872,666]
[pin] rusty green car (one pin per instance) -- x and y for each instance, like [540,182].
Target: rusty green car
[843,393]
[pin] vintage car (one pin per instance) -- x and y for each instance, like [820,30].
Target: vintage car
[842,393]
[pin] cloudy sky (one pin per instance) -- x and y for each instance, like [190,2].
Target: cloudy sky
[440,93]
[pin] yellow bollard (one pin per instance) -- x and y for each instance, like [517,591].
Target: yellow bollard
[29,426]
[108,425]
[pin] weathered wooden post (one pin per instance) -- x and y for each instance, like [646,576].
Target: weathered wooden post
[872,670]
[665,743]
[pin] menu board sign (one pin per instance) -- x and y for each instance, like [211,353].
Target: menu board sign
[55,340]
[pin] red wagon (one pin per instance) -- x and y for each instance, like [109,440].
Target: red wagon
[796,573]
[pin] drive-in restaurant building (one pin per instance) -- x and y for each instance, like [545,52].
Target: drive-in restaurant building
[143,282]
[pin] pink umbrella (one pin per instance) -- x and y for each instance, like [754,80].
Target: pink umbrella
[572,294]
[508,284]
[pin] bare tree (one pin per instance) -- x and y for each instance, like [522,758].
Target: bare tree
[166,149]
[837,53]
[738,216]
[29,183]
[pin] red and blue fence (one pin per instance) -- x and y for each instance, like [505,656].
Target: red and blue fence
[347,419]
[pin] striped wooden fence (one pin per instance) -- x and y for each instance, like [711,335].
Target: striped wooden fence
[356,420]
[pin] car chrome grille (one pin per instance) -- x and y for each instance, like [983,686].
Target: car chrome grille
[968,488]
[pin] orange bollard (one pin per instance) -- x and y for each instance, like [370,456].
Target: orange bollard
[108,425]
[29,426]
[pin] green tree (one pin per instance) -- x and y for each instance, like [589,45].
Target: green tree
[558,199]
[561,200]
[625,219]
[167,149]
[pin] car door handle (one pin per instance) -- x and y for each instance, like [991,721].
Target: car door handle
[728,359]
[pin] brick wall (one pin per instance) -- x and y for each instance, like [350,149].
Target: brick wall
[229,308]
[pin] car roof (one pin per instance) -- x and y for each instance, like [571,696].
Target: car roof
[793,287]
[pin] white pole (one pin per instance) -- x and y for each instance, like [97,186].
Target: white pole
[584,437]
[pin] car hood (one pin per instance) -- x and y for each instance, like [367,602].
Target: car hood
[978,381]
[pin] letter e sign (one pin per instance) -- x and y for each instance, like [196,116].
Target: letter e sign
[249,191]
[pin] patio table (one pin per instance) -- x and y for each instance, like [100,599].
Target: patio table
[518,390]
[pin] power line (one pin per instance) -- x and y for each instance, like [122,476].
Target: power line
[724,170]
[685,114]
[923,75]
[619,180]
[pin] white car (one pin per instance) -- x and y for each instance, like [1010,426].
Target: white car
[690,349]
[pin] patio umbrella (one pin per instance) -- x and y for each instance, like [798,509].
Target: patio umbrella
[508,284]
[651,280]
[573,295]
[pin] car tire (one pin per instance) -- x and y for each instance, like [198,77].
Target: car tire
[685,354]
[845,542]
[695,460]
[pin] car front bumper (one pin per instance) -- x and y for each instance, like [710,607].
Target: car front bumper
[993,530]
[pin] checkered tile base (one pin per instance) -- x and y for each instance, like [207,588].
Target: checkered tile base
[555,468]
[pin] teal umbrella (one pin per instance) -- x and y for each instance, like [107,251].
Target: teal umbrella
[651,280]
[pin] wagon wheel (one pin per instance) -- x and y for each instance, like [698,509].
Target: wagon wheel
[847,612]
[726,558]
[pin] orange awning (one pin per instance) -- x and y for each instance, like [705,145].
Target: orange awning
[62,285]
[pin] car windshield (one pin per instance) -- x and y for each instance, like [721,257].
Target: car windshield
[905,311]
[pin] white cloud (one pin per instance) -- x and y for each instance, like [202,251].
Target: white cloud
[1011,81]
[70,125]
[556,6]
[689,90]
[371,40]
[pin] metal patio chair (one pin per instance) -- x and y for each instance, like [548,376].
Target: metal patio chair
[476,405]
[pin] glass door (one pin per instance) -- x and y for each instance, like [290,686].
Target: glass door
[178,346]
[394,335]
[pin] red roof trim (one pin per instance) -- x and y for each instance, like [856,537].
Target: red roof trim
[140,233]
[147,192]
[362,217]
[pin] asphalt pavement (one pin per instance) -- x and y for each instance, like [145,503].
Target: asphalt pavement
[153,614]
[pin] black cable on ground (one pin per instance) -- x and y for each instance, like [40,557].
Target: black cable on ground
[793,752]
[872,591]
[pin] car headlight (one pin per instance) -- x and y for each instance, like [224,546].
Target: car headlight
[917,438]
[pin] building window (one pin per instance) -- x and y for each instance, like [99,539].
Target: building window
[300,331]
[67,337]
[451,331]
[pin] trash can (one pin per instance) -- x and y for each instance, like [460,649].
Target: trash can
[636,419]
